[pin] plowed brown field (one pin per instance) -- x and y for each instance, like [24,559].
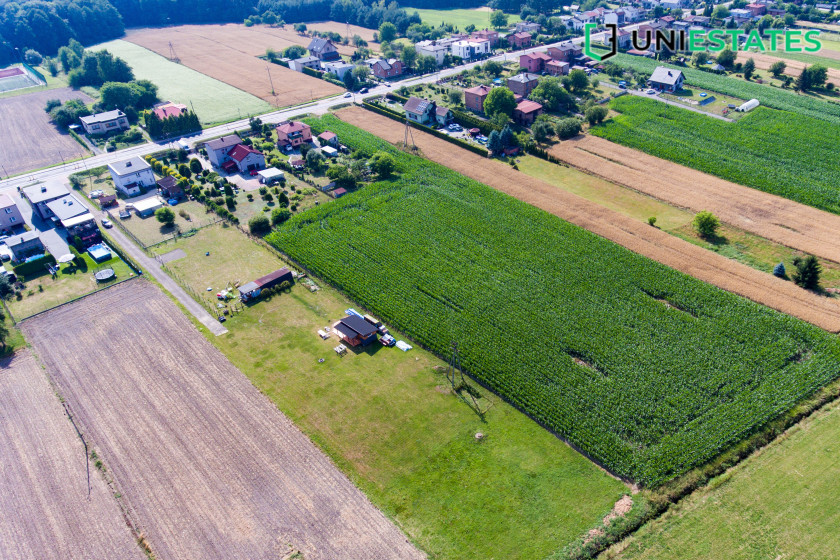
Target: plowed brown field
[793,67]
[206,465]
[229,54]
[781,220]
[632,234]
[46,509]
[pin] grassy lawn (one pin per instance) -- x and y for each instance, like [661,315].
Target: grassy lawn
[303,196]
[44,292]
[605,193]
[811,58]
[150,231]
[390,421]
[212,100]
[781,503]
[460,18]
[720,106]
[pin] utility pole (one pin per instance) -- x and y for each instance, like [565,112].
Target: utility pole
[267,69]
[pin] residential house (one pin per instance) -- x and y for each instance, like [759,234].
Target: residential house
[355,331]
[776,12]
[470,49]
[168,109]
[328,138]
[669,20]
[666,79]
[527,27]
[681,25]
[443,116]
[293,133]
[576,23]
[557,68]
[702,21]
[434,49]
[104,123]
[566,52]
[522,84]
[323,49]
[632,14]
[757,9]
[25,245]
[616,17]
[519,40]
[169,189]
[624,39]
[132,175]
[244,158]
[526,112]
[487,35]
[10,216]
[592,16]
[384,69]
[299,64]
[474,97]
[740,15]
[338,68]
[217,150]
[39,195]
[66,207]
[534,62]
[420,111]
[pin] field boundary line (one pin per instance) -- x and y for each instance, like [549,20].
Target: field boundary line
[75,299]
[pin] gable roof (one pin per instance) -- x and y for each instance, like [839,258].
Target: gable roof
[223,143]
[167,182]
[241,151]
[318,44]
[102,117]
[358,325]
[526,106]
[663,75]
[169,109]
[327,135]
[480,90]
[292,126]
[417,105]
[442,111]
[6,201]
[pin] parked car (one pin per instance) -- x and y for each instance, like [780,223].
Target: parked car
[348,94]
[254,172]
[364,90]
[173,201]
[107,224]
[96,193]
[3,239]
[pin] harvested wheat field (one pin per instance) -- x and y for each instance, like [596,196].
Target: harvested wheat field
[793,67]
[637,236]
[48,509]
[341,29]
[781,220]
[229,54]
[206,465]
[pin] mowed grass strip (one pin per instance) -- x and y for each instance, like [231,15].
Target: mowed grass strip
[648,370]
[458,17]
[780,503]
[390,421]
[752,152]
[213,101]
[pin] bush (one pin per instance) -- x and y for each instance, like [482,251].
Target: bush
[596,115]
[34,266]
[280,215]
[706,224]
[165,216]
[652,221]
[259,225]
[567,128]
[807,274]
[779,270]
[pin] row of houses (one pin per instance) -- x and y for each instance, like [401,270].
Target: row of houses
[324,56]
[467,47]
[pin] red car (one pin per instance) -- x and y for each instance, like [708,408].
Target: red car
[254,172]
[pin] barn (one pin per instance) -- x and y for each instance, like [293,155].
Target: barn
[253,289]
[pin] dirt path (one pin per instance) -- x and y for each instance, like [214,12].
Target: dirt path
[207,466]
[632,234]
[781,220]
[47,512]
[793,67]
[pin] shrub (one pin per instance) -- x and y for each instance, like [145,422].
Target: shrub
[596,115]
[567,128]
[165,216]
[279,215]
[779,270]
[706,224]
[652,221]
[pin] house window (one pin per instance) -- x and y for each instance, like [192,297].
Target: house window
[12,220]
[8,210]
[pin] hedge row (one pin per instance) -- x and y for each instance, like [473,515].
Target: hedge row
[24,269]
[401,118]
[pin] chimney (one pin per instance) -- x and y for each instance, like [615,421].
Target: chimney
[128,163]
[44,188]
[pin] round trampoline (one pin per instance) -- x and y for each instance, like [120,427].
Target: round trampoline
[104,275]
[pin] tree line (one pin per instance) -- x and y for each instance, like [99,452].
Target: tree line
[184,123]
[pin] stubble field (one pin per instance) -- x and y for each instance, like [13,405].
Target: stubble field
[229,53]
[48,511]
[30,140]
[206,465]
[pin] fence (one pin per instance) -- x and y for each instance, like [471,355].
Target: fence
[175,236]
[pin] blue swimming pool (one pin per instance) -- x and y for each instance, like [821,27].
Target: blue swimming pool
[99,252]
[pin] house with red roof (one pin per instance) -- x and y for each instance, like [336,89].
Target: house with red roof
[534,62]
[526,112]
[168,109]
[519,40]
[557,68]
[328,138]
[293,133]
[244,158]
[474,97]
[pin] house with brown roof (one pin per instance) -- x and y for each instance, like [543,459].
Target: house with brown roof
[534,62]
[526,112]
[567,52]
[557,68]
[443,115]
[384,69]
[328,138]
[420,111]
[293,133]
[522,84]
[519,40]
[323,49]
[474,97]
[488,34]
[168,188]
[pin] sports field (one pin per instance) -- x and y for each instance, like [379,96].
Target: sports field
[213,101]
[780,503]
[17,77]
[460,18]
[588,337]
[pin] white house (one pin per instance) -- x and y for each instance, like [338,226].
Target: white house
[103,123]
[299,64]
[576,23]
[10,215]
[666,79]
[468,50]
[527,27]
[131,176]
[217,150]
[338,68]
[433,49]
